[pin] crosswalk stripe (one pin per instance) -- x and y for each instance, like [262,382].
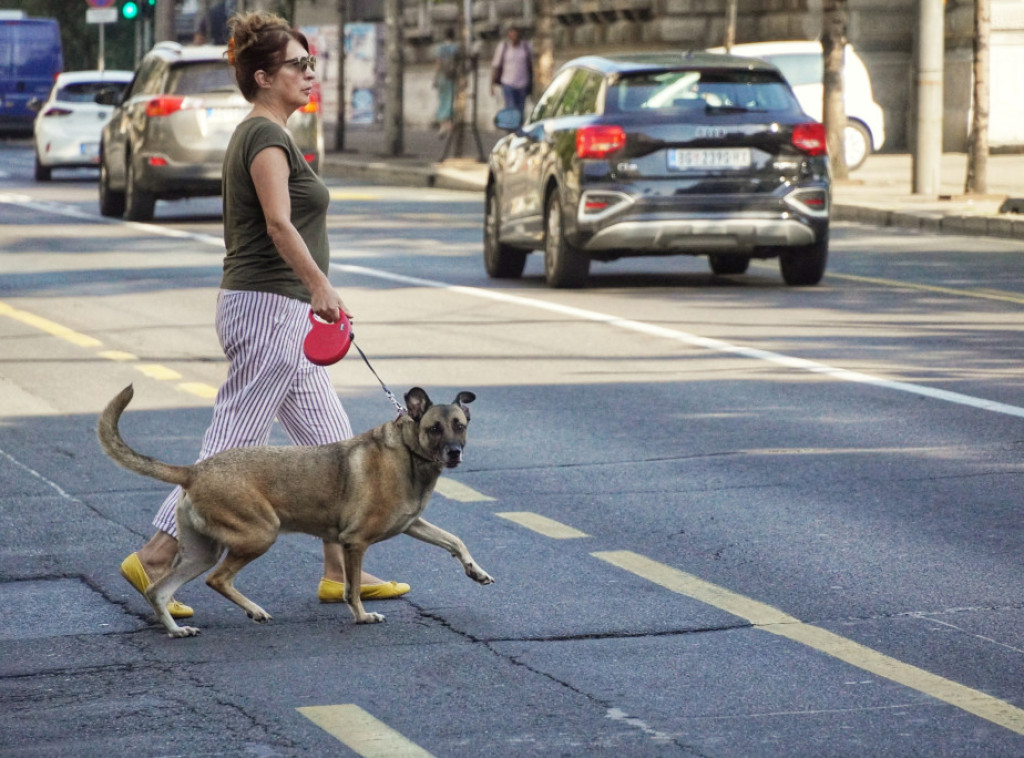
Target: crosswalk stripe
[458,491]
[543,525]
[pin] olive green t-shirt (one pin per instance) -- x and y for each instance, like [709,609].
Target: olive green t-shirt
[252,262]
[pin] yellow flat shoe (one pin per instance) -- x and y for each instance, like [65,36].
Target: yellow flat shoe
[131,569]
[330,591]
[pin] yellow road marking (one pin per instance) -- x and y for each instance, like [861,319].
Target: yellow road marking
[199,389]
[770,619]
[117,355]
[454,490]
[343,195]
[361,732]
[543,525]
[984,294]
[156,371]
[50,327]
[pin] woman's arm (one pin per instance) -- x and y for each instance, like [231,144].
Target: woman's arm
[270,176]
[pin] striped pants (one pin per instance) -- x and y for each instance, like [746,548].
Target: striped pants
[268,377]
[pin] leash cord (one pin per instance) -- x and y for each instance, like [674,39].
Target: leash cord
[391,395]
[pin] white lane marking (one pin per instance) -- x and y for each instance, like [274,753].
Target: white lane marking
[715,345]
[458,491]
[556,530]
[708,343]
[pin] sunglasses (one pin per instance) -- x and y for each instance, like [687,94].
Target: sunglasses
[302,63]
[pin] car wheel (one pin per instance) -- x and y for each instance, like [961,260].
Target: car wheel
[42,172]
[501,261]
[804,266]
[856,144]
[138,204]
[728,264]
[111,202]
[564,266]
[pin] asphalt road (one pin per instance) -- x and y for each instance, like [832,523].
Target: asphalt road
[725,517]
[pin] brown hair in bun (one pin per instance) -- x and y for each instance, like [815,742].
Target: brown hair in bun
[258,42]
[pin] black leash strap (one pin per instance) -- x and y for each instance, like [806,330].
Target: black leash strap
[391,395]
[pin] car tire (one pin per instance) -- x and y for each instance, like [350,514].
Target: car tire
[138,204]
[804,266]
[43,173]
[111,202]
[856,144]
[565,267]
[501,261]
[723,265]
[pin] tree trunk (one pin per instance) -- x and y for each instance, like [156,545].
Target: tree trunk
[393,74]
[543,46]
[339,130]
[730,24]
[977,144]
[833,44]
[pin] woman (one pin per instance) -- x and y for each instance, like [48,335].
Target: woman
[446,71]
[275,270]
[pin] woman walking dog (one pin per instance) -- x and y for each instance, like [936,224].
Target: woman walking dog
[275,270]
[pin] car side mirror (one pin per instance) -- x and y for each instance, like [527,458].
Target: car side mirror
[508,120]
[35,104]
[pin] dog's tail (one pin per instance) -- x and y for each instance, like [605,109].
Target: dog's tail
[116,448]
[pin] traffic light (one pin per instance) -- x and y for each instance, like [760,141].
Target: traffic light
[148,8]
[129,10]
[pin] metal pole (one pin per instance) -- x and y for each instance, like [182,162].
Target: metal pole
[930,49]
[99,63]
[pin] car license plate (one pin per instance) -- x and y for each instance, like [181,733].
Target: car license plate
[727,158]
[225,116]
[90,149]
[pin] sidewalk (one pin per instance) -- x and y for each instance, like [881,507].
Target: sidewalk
[878,193]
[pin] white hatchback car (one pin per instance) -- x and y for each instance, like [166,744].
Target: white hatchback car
[800,61]
[67,127]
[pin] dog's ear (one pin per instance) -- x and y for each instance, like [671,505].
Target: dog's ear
[417,402]
[463,399]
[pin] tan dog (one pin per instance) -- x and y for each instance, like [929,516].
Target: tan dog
[355,493]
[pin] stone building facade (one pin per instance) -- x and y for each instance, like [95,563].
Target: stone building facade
[882,31]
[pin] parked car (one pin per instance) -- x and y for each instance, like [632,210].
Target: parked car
[801,62]
[31,56]
[168,133]
[660,154]
[66,132]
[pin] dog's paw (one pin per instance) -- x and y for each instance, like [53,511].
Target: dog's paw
[259,615]
[182,631]
[371,618]
[477,574]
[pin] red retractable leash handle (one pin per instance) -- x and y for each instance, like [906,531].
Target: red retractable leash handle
[327,343]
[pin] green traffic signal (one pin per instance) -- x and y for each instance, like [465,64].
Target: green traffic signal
[129,10]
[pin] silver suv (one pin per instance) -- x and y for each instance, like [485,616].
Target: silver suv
[168,133]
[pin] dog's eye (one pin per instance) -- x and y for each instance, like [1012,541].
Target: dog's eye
[459,427]
[436,429]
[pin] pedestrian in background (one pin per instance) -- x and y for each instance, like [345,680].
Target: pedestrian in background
[275,272]
[447,53]
[212,25]
[512,70]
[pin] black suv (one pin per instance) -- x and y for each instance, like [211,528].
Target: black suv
[660,154]
[167,136]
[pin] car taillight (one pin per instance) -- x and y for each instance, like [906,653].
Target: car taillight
[164,105]
[310,157]
[56,112]
[810,138]
[599,141]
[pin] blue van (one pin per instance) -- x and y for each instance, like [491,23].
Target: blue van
[30,59]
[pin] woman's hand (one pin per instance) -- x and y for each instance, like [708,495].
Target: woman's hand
[328,305]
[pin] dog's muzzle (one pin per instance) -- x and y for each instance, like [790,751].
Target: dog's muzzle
[452,457]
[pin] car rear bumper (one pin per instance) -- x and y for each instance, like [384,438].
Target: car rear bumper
[610,221]
[700,235]
[175,180]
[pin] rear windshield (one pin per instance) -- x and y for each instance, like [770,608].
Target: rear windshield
[85,92]
[200,78]
[672,91]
